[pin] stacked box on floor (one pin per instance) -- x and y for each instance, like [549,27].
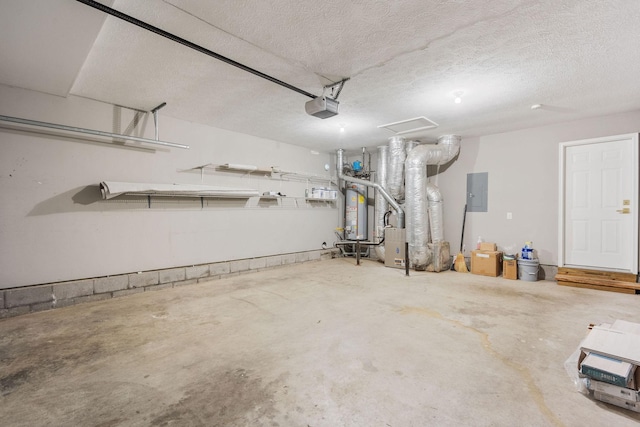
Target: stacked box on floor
[486,262]
[610,359]
[510,268]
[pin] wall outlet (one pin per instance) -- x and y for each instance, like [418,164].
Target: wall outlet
[509,215]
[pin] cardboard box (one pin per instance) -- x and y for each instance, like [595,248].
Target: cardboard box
[613,390]
[618,401]
[510,269]
[488,246]
[624,326]
[634,382]
[614,343]
[394,243]
[608,369]
[486,263]
[619,341]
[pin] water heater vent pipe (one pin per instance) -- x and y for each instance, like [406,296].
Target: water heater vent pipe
[378,187]
[382,206]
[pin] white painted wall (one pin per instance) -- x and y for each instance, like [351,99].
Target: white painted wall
[523,179]
[54,227]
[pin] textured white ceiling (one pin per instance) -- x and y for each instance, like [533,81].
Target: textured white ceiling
[579,58]
[39,48]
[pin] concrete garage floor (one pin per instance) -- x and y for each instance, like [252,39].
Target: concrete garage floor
[319,344]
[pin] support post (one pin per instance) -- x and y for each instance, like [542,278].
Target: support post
[406,258]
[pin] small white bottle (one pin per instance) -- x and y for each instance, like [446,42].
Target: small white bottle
[479,241]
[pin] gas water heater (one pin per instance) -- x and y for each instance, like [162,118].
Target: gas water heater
[355,217]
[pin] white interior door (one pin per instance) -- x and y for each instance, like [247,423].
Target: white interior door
[599,209]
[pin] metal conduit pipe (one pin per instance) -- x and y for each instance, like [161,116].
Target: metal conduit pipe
[89,131]
[378,187]
[381,205]
[416,203]
[156,122]
[354,242]
[357,244]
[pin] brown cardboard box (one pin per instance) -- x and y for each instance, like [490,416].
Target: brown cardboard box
[486,263]
[488,246]
[510,269]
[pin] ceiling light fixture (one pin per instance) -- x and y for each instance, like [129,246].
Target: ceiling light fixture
[457,96]
[536,106]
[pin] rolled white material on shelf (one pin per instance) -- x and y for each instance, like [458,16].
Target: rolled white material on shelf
[111,189]
[240,167]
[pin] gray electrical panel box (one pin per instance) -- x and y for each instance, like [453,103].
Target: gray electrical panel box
[477,192]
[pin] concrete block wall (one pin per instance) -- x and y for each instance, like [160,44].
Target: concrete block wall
[29,299]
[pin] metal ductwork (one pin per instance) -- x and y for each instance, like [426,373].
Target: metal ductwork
[411,145]
[378,187]
[397,157]
[417,205]
[382,206]
[434,200]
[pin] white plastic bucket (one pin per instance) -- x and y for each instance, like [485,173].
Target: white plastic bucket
[528,269]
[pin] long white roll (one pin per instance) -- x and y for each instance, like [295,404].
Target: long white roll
[111,189]
[240,167]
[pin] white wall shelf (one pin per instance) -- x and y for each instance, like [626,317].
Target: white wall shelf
[111,189]
[272,172]
[242,168]
[316,199]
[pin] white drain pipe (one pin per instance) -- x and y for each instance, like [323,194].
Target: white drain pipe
[417,205]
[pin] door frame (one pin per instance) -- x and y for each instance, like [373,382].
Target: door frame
[635,191]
